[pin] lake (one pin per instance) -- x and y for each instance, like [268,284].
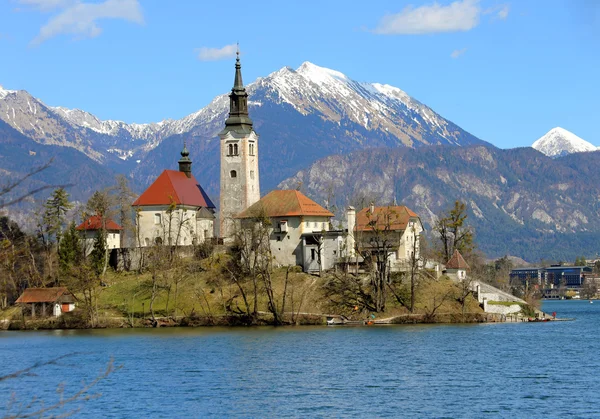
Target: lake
[496,370]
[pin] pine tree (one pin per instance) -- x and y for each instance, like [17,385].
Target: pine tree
[70,251]
[98,253]
[55,210]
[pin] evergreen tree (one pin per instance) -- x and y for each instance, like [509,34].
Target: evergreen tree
[98,253]
[70,251]
[55,209]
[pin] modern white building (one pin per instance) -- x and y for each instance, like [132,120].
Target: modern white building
[174,210]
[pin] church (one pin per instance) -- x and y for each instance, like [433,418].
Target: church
[240,186]
[174,210]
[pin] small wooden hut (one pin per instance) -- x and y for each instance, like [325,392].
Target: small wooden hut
[44,302]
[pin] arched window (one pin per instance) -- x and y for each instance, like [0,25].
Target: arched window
[235,149]
[158,241]
[251,174]
[230,150]
[233,173]
[147,241]
[251,149]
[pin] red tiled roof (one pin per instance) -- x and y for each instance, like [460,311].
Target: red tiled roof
[173,186]
[285,203]
[457,261]
[42,295]
[95,223]
[391,218]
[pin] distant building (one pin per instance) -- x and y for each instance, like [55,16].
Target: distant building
[570,276]
[44,302]
[174,210]
[553,277]
[90,229]
[300,230]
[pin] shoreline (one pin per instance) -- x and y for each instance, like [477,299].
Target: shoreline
[307,319]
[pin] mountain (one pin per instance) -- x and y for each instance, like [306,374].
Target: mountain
[520,201]
[301,115]
[560,142]
[19,155]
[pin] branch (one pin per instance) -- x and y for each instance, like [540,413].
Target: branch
[62,401]
[8,188]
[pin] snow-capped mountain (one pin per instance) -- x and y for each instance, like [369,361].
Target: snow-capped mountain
[559,142]
[379,110]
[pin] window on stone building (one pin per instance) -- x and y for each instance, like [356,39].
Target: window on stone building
[251,149]
[157,218]
[233,173]
[251,174]
[235,150]
[147,241]
[230,150]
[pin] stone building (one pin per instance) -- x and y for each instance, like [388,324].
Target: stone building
[90,228]
[457,267]
[393,229]
[174,210]
[240,187]
[299,230]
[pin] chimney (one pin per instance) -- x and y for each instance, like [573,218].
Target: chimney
[372,208]
[351,218]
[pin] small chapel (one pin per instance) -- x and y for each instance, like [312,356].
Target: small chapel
[174,210]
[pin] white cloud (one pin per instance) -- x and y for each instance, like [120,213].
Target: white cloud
[503,13]
[215,54]
[462,15]
[81,19]
[458,52]
[499,12]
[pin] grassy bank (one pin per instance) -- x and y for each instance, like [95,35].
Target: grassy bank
[202,292]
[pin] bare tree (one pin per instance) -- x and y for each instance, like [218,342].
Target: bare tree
[6,190]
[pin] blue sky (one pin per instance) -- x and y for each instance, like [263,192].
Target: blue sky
[506,71]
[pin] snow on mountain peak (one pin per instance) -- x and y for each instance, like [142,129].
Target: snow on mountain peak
[318,74]
[5,92]
[559,142]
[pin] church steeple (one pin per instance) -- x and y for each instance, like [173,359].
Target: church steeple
[238,120]
[185,164]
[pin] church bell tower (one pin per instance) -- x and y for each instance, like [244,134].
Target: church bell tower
[240,185]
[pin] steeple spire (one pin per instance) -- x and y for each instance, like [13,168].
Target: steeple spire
[185,164]
[238,120]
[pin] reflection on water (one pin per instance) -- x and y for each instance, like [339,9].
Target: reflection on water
[525,369]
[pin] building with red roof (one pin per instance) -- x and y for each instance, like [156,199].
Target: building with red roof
[175,209]
[457,267]
[394,229]
[300,232]
[93,226]
[41,300]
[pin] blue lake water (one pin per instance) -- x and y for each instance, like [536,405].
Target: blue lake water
[443,371]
